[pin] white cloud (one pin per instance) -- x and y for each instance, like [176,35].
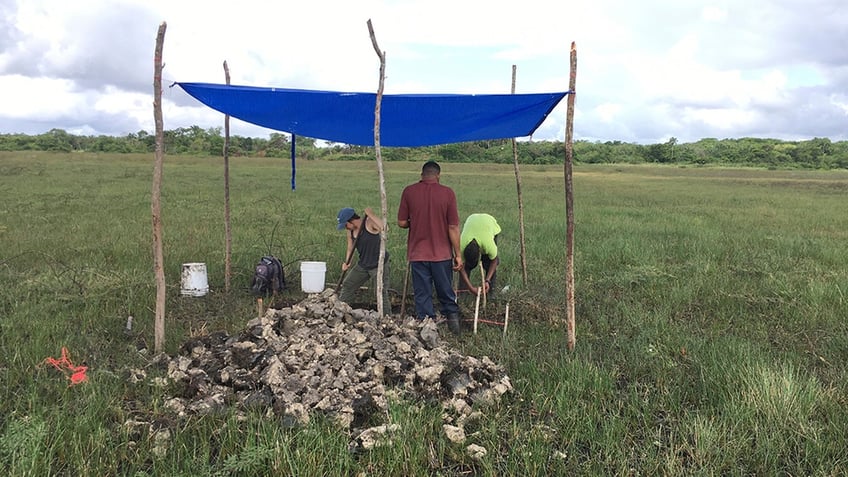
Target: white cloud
[56,97]
[841,102]
[607,112]
[646,71]
[712,13]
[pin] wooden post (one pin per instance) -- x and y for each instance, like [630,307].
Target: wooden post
[477,309]
[523,250]
[482,277]
[228,244]
[383,203]
[569,202]
[403,296]
[156,194]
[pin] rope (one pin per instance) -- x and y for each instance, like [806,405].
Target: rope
[73,372]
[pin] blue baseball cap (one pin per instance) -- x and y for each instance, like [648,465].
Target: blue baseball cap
[344,215]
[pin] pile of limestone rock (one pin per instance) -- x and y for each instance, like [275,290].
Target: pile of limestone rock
[322,356]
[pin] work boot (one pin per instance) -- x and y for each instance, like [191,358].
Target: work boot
[453,323]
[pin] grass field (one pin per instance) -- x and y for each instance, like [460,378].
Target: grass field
[710,305]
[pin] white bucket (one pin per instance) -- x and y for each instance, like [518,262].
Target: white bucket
[194,281]
[312,276]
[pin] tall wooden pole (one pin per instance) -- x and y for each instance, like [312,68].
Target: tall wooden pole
[520,199]
[383,203]
[228,242]
[569,200]
[155,201]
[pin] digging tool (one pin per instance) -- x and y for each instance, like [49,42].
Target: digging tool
[352,250]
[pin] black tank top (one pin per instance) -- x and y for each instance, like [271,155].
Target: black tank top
[368,247]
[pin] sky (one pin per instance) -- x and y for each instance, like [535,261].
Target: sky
[646,72]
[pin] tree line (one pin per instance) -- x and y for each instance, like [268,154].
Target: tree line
[816,153]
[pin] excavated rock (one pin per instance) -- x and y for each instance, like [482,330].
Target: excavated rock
[322,356]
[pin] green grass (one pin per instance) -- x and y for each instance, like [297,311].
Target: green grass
[711,306]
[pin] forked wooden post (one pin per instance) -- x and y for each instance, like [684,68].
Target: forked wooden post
[569,201]
[523,250]
[383,204]
[156,194]
[228,242]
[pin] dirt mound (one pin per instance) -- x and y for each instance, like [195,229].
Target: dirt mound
[322,356]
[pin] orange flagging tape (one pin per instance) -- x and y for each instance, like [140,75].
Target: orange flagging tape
[75,373]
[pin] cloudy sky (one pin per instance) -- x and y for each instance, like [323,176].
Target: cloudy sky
[647,71]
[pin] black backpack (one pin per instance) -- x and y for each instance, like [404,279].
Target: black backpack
[268,276]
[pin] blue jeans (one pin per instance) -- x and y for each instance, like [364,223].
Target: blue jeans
[429,275]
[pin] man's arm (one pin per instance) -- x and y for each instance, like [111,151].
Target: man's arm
[374,220]
[493,267]
[349,252]
[453,233]
[467,281]
[403,212]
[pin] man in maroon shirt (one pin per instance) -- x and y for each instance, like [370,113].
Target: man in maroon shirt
[428,209]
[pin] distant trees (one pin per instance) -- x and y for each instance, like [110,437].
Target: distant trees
[816,153]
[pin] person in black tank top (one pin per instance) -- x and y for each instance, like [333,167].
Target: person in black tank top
[363,235]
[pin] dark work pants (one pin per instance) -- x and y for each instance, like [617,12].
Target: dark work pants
[429,275]
[356,276]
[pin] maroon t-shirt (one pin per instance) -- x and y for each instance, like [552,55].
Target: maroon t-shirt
[430,208]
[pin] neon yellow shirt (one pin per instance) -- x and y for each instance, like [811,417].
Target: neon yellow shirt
[483,228]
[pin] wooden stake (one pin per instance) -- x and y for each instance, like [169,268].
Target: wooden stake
[156,194]
[260,308]
[523,250]
[228,242]
[506,318]
[477,310]
[383,203]
[569,203]
[403,298]
[483,277]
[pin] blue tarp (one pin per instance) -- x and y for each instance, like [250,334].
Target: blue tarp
[406,120]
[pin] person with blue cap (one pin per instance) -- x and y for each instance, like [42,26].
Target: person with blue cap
[364,237]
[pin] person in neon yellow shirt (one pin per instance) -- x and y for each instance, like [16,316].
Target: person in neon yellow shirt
[478,242]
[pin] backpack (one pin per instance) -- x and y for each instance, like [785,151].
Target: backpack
[268,276]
